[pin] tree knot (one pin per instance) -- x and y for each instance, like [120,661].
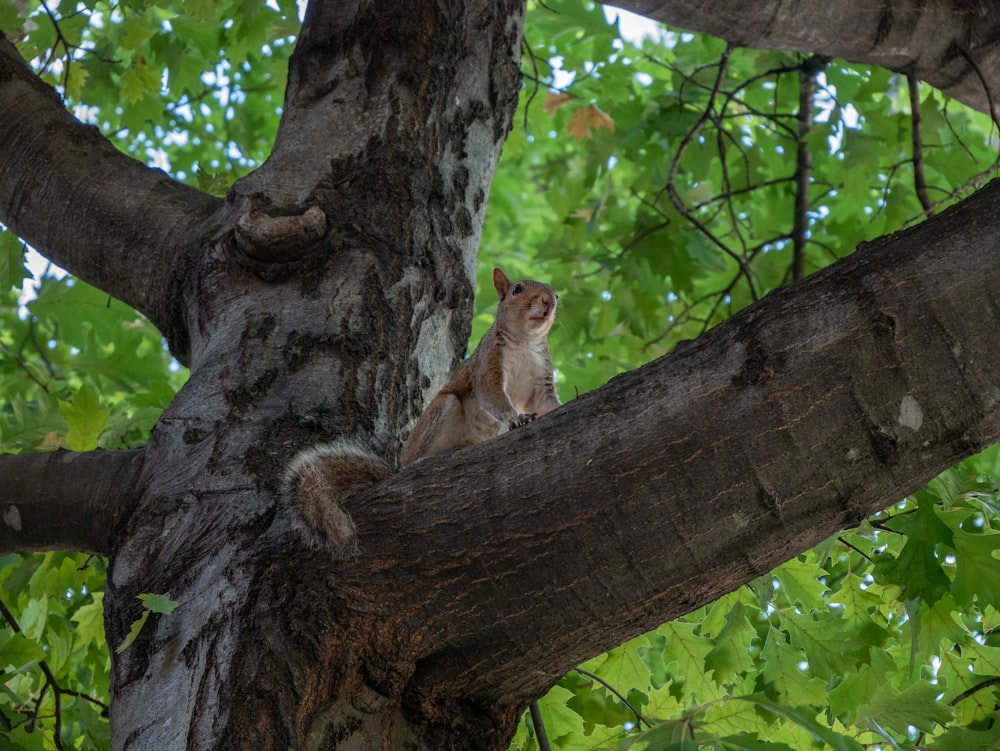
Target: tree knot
[267,242]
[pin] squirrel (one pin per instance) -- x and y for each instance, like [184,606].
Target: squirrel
[506,383]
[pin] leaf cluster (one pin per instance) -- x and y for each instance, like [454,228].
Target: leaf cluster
[53,654]
[79,370]
[655,183]
[169,82]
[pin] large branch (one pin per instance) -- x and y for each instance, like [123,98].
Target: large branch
[65,500]
[678,482]
[96,212]
[932,39]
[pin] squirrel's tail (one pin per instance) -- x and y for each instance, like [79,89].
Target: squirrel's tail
[322,477]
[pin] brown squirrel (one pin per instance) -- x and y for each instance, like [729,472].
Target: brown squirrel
[506,383]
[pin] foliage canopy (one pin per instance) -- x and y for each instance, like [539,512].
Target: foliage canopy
[662,184]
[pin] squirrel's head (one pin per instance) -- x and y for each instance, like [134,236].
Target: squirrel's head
[531,306]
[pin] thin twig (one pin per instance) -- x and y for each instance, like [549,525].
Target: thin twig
[23,365]
[986,88]
[536,722]
[638,717]
[675,165]
[803,163]
[976,180]
[995,680]
[855,548]
[534,91]
[917,132]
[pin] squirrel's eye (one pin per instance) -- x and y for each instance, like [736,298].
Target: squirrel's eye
[518,289]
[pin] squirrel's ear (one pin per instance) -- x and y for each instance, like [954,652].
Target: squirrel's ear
[501,282]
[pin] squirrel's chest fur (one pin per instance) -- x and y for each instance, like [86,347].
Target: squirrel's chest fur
[526,370]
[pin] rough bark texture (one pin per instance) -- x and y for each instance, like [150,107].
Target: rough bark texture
[470,596]
[302,329]
[954,45]
[796,418]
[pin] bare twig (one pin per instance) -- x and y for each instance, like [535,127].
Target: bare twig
[638,717]
[917,132]
[675,165]
[803,163]
[976,180]
[534,91]
[539,726]
[50,682]
[855,548]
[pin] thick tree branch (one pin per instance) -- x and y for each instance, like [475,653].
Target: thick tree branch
[65,500]
[680,481]
[99,214]
[925,37]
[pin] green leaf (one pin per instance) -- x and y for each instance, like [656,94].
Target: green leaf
[799,583]
[19,652]
[917,570]
[750,742]
[133,632]
[977,570]
[151,603]
[89,619]
[731,653]
[832,646]
[915,705]
[12,271]
[158,603]
[668,736]
[85,417]
[966,739]
[139,81]
[786,674]
[684,654]
[856,689]
[804,720]
[857,596]
[33,617]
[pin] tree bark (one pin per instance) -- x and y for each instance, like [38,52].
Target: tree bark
[953,45]
[342,272]
[65,500]
[313,302]
[678,482]
[127,229]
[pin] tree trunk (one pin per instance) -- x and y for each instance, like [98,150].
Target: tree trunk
[316,300]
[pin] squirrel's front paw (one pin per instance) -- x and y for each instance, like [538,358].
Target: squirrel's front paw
[523,419]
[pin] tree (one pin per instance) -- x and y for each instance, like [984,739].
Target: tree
[328,288]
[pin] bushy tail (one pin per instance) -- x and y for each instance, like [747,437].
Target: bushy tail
[322,477]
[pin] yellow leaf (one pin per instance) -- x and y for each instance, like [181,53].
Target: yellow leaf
[51,442]
[586,118]
[556,99]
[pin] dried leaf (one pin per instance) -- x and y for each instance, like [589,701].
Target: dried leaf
[556,99]
[586,118]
